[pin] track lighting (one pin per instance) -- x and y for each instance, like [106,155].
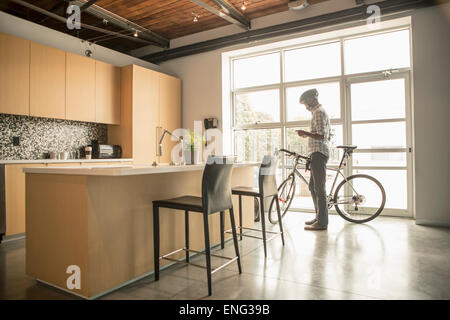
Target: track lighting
[244,6]
[196,16]
[135,34]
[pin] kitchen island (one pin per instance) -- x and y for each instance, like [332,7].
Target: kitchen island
[97,222]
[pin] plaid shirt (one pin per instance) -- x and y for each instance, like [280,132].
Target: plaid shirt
[320,124]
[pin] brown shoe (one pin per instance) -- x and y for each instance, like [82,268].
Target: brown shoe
[315,226]
[310,222]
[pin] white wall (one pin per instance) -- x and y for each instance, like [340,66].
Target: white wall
[31,31]
[431,58]
[202,97]
[202,86]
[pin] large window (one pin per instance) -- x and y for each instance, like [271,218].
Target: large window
[363,83]
[377,52]
[313,62]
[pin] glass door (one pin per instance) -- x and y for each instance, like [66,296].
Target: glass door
[379,123]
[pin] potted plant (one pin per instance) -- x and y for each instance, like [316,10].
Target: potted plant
[193,143]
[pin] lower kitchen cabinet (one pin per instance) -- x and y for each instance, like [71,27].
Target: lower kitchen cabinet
[14,183]
[15,197]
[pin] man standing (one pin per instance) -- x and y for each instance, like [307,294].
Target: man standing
[318,145]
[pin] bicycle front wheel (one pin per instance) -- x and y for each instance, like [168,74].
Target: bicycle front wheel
[286,192]
[360,198]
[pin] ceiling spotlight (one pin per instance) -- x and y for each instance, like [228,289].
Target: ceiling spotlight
[298,5]
[135,34]
[195,19]
[244,7]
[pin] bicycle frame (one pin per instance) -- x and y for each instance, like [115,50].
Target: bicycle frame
[347,203]
[338,170]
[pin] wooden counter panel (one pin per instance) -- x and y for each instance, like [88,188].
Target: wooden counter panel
[117,215]
[121,223]
[57,231]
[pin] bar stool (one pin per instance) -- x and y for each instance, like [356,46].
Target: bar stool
[267,187]
[216,197]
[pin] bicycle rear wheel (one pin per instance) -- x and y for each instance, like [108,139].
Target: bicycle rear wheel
[360,198]
[286,192]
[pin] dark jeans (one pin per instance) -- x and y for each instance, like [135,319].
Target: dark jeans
[317,186]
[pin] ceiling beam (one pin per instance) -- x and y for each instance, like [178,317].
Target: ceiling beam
[326,20]
[143,51]
[87,26]
[123,23]
[232,11]
[241,22]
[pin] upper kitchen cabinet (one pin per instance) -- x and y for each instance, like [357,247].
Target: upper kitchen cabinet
[169,111]
[47,82]
[139,115]
[107,93]
[145,114]
[14,75]
[80,88]
[150,101]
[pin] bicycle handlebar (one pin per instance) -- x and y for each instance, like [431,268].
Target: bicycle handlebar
[294,154]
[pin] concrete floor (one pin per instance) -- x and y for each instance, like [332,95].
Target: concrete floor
[388,258]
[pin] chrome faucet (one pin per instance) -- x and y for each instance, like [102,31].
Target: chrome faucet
[180,139]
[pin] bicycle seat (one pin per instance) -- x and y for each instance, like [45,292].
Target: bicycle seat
[347,148]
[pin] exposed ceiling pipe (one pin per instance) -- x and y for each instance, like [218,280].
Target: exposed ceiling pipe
[64,20]
[58,6]
[123,23]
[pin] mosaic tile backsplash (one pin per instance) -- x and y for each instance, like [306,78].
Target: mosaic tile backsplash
[39,136]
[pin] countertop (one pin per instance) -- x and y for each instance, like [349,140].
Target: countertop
[45,161]
[125,170]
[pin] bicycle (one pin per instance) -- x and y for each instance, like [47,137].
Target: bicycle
[353,206]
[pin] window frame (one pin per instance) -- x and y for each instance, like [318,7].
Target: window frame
[345,120]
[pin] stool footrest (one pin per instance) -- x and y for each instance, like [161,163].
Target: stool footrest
[212,255]
[224,265]
[166,257]
[275,234]
[252,229]
[182,261]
